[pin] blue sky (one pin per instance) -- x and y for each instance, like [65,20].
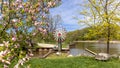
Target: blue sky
[67,10]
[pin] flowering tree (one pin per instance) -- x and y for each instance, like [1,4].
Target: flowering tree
[20,22]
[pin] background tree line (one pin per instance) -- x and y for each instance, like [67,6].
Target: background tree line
[97,33]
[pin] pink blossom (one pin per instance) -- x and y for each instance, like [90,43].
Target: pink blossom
[5,52]
[14,20]
[13,38]
[31,54]
[44,30]
[6,43]
[17,8]
[49,4]
[40,29]
[17,45]
[1,53]
[33,17]
[36,23]
[19,1]
[53,4]
[6,2]
[34,34]
[20,6]
[29,11]
[26,10]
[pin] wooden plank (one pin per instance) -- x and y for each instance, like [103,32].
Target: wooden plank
[90,51]
[50,51]
[65,49]
[46,45]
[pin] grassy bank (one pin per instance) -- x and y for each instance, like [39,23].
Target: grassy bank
[54,61]
[75,62]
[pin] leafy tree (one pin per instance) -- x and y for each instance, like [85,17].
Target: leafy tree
[90,33]
[104,13]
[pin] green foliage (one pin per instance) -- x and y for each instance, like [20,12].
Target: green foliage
[103,21]
[76,35]
[96,32]
[2,48]
[1,26]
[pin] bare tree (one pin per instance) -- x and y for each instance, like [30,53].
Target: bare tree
[54,22]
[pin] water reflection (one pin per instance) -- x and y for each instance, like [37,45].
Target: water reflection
[78,52]
[96,47]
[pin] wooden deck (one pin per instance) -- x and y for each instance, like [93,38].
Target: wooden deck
[50,48]
[47,47]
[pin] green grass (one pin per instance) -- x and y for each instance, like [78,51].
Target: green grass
[64,45]
[75,62]
[54,56]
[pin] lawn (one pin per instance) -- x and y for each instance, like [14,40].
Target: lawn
[73,62]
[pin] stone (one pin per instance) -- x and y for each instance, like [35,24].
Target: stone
[58,53]
[119,57]
[114,56]
[102,56]
[70,55]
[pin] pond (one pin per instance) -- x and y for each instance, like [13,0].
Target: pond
[79,48]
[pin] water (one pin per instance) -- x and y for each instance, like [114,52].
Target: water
[94,46]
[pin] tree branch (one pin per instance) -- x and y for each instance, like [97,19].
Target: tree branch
[96,9]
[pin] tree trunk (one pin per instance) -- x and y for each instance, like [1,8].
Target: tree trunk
[108,27]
